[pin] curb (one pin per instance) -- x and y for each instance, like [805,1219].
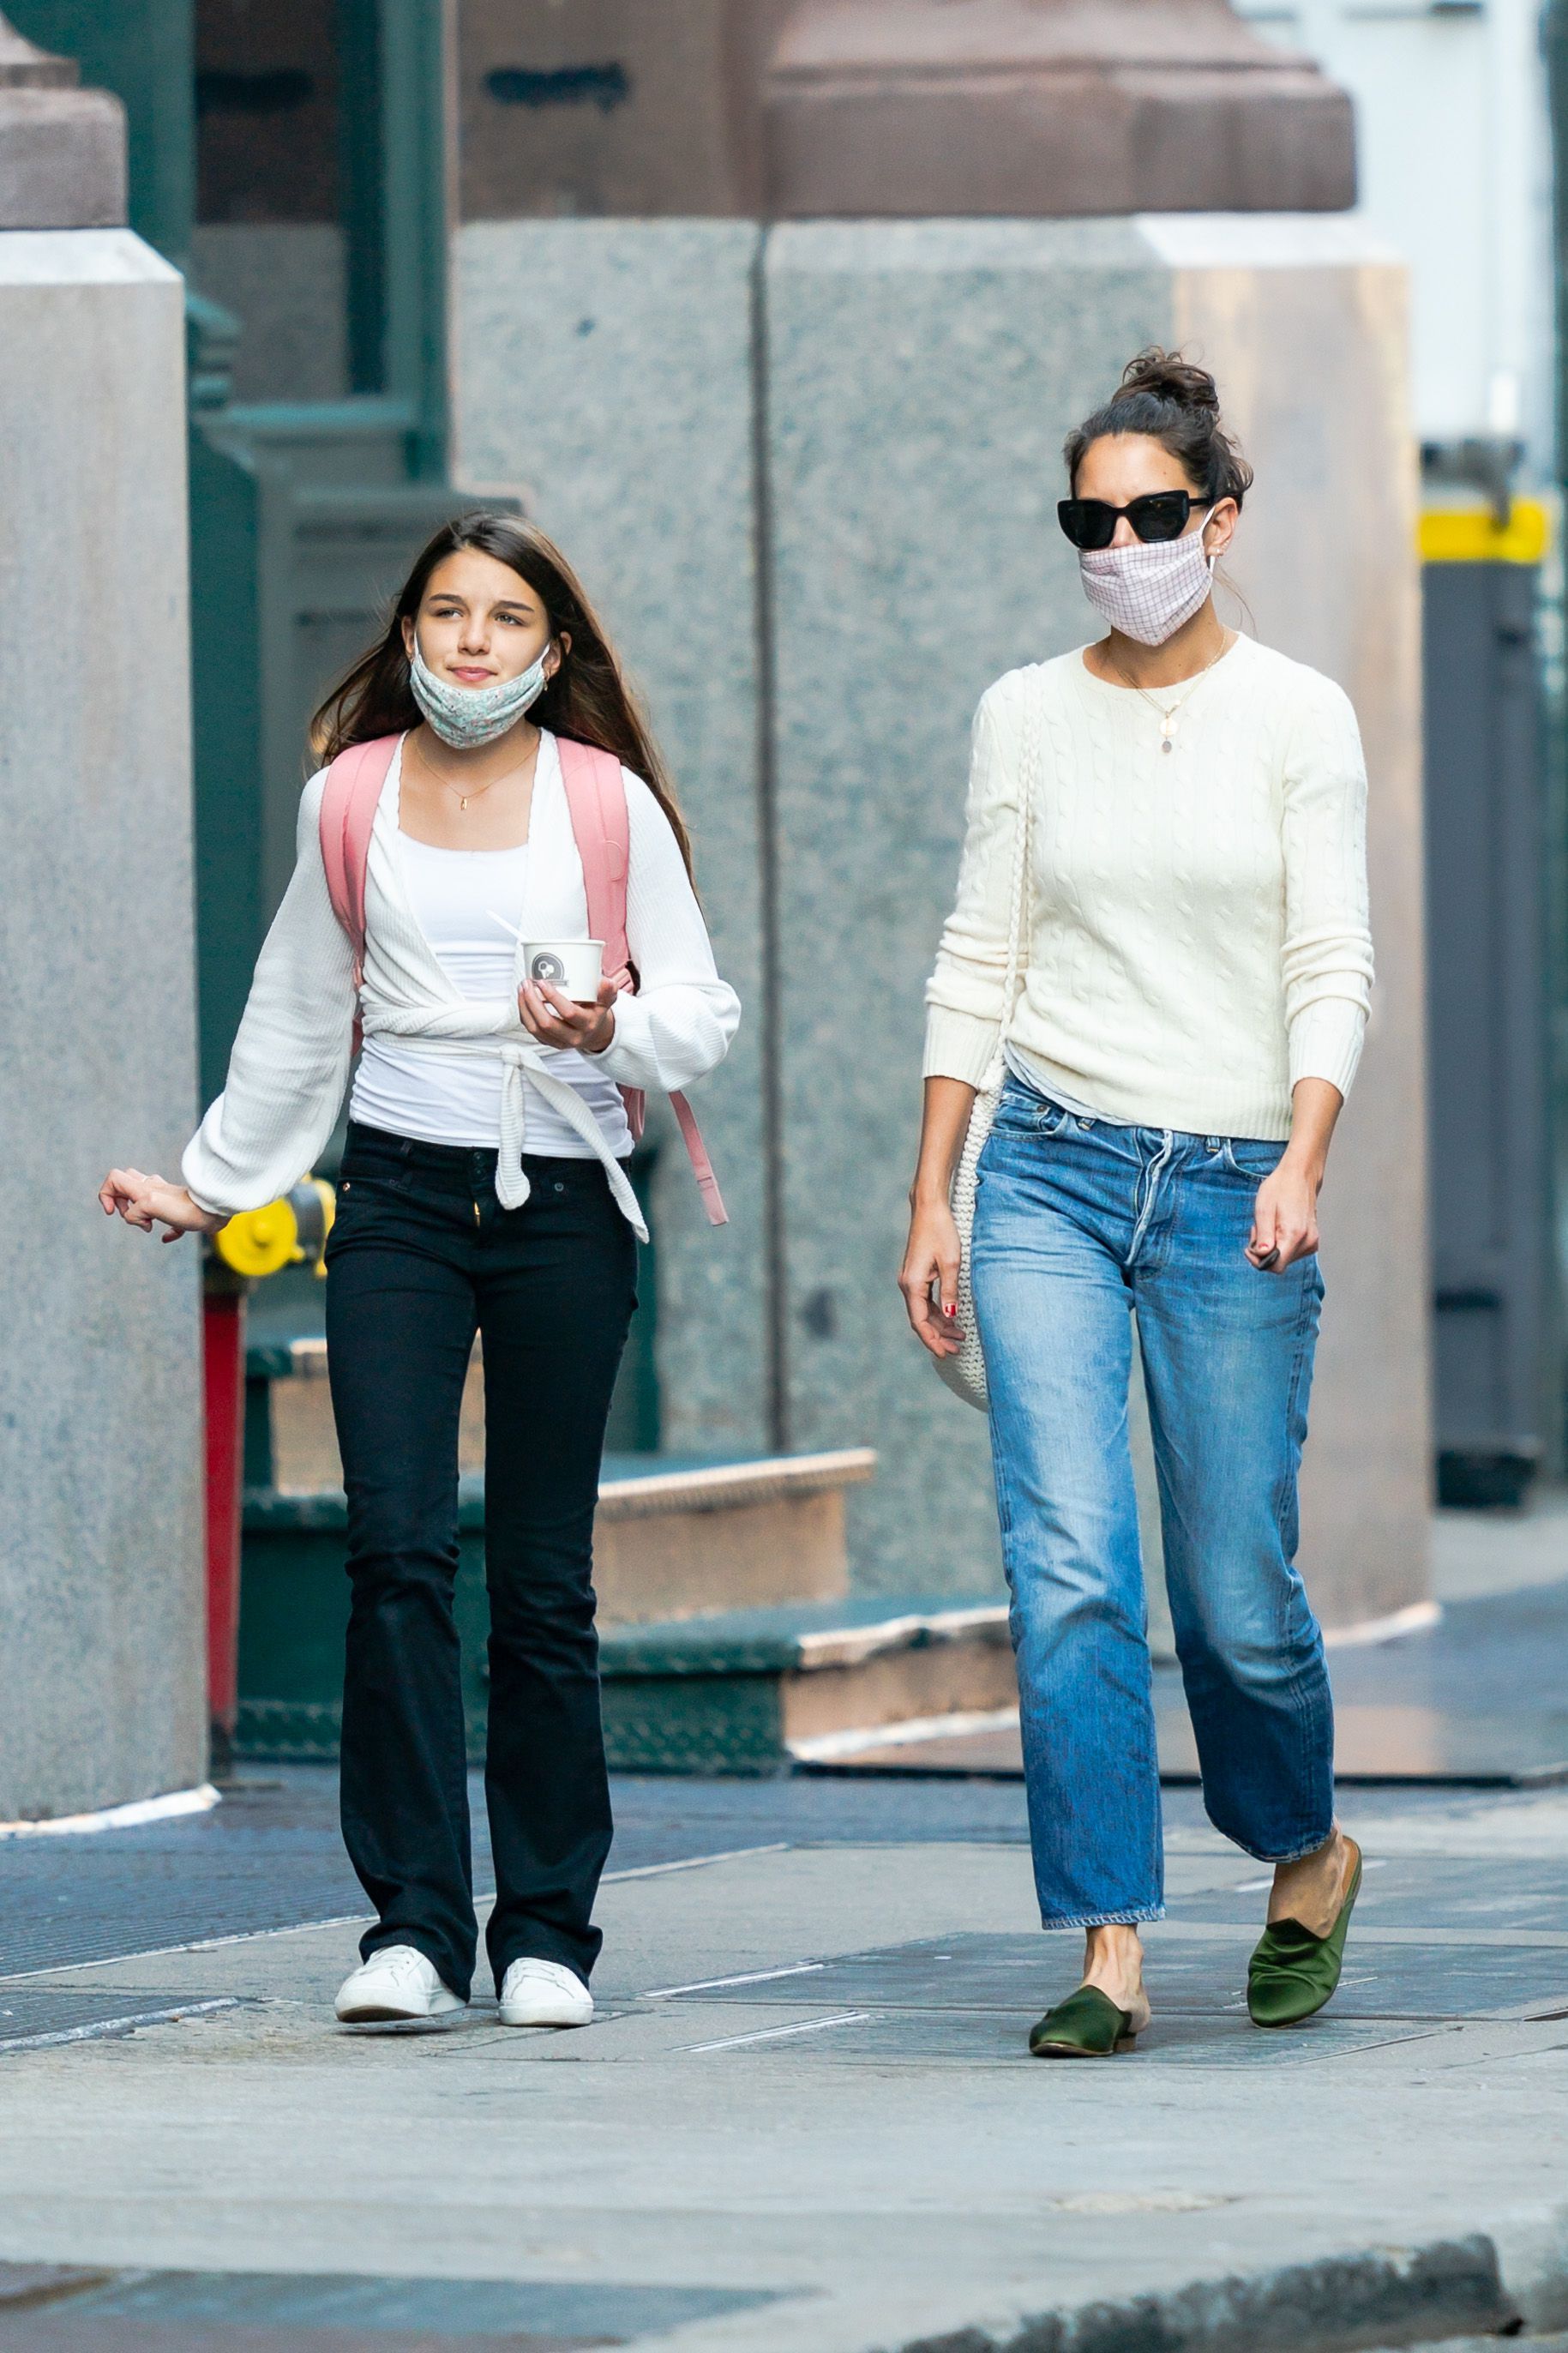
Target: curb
[1486,2284]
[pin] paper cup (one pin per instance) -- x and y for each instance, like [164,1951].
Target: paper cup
[573,966]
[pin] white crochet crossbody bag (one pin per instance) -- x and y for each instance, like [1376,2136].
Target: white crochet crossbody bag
[965,1373]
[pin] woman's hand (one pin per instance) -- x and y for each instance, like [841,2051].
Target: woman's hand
[1285,1214]
[932,1253]
[149,1201]
[930,1259]
[556,1020]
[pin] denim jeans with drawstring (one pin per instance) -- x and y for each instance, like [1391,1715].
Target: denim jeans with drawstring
[1077,1223]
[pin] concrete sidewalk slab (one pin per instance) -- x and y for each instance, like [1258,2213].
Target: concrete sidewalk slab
[891,2173]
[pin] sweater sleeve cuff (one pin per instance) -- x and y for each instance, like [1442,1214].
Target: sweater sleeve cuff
[630,1053]
[959,1046]
[1326,1042]
[194,1169]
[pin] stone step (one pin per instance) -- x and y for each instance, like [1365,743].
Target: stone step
[676,1535]
[673,1538]
[290,1441]
[754,1691]
[676,1541]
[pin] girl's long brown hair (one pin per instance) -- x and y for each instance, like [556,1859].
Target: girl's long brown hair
[589,697]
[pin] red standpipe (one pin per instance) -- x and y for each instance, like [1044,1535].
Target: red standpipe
[223,1374]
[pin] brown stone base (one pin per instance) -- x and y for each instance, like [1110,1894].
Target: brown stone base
[1039,107]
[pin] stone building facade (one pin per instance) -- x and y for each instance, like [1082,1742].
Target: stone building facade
[798,420]
[102,1663]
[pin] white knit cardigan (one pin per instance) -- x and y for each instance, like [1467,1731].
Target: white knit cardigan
[289,1069]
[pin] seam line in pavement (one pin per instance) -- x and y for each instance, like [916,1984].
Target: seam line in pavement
[747,1977]
[198,1944]
[1550,1940]
[102,2029]
[696,1861]
[363,1919]
[777,2034]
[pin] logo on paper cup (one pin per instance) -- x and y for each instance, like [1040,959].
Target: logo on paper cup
[545,966]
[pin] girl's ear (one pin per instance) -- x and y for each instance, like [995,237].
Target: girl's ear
[407,637]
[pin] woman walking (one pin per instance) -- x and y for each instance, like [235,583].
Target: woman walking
[482,1188]
[1191,940]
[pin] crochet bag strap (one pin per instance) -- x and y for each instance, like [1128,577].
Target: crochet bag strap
[349,803]
[600,826]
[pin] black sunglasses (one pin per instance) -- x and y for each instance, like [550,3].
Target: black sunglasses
[1158,515]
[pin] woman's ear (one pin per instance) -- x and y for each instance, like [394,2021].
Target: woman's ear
[563,648]
[407,637]
[1224,516]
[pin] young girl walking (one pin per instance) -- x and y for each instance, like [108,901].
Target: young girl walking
[483,1188]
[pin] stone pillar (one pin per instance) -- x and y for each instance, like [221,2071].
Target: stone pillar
[605,370]
[923,375]
[813,469]
[103,1696]
[1305,325]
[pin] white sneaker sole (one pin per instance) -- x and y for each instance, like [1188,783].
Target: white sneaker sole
[549,2025]
[375,2013]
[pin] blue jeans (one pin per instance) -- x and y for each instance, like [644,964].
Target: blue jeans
[1075,1223]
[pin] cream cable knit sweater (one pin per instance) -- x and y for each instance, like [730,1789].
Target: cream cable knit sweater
[289,1069]
[1199,936]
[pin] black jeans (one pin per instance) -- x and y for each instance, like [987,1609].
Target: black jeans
[422,1256]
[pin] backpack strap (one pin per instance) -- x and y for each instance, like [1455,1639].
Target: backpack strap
[701,1166]
[600,826]
[349,803]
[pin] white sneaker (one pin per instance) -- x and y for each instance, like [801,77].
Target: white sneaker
[395,1983]
[542,1993]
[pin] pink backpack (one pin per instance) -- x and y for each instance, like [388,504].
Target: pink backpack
[596,799]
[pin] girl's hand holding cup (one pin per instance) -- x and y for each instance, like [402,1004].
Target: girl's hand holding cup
[581,1022]
[556,1020]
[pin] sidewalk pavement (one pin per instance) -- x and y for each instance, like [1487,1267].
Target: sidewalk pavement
[846,2147]
[804,2120]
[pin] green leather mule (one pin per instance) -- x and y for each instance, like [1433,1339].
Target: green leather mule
[1293,1973]
[1087,2025]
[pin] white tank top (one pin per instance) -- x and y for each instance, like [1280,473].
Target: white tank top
[417,1091]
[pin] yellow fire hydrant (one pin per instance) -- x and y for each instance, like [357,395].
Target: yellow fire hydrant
[289,1232]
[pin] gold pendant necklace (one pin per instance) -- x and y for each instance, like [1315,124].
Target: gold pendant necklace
[465,798]
[1170,714]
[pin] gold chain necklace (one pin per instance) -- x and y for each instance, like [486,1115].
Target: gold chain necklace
[1170,712]
[465,798]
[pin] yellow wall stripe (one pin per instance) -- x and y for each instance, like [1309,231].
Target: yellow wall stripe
[1471,534]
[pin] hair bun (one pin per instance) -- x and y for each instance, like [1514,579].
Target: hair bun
[1173,402]
[1168,376]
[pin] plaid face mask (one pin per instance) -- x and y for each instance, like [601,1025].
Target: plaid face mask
[1148,590]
